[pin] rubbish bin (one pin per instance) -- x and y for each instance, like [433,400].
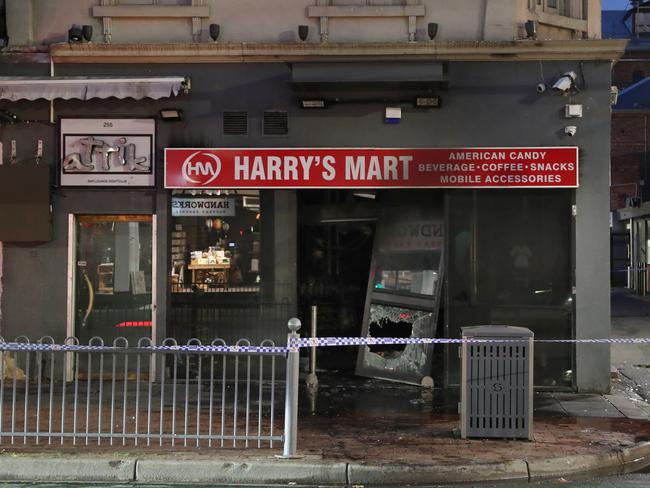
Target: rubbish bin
[497,382]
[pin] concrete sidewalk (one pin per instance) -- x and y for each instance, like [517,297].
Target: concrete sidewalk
[368,432]
[424,454]
[355,431]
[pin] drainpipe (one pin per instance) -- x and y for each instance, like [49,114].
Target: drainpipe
[1,249]
[51,101]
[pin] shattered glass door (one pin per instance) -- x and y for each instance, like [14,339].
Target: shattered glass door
[404,285]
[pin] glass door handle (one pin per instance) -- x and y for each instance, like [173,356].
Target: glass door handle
[91,298]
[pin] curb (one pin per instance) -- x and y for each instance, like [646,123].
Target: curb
[172,470]
[608,463]
[395,475]
[252,471]
[78,468]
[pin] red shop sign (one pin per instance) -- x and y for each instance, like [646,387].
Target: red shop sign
[492,167]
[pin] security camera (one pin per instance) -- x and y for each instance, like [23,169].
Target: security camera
[541,88]
[570,130]
[565,82]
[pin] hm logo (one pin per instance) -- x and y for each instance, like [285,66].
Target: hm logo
[201,168]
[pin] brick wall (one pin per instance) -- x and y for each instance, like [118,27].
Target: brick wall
[629,154]
[623,72]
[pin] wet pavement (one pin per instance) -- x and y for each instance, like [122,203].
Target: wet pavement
[364,419]
[353,419]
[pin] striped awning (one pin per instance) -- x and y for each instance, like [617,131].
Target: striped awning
[84,88]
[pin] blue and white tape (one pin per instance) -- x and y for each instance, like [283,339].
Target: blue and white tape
[295,344]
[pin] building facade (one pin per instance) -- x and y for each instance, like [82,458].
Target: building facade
[198,93]
[629,190]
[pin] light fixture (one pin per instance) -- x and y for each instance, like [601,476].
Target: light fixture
[171,114]
[87,32]
[251,202]
[393,115]
[215,29]
[303,32]
[427,102]
[531,29]
[312,103]
[75,33]
[7,117]
[432,30]
[370,194]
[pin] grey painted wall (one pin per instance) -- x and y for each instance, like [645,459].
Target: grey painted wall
[487,104]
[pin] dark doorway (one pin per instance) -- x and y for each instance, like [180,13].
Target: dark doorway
[335,236]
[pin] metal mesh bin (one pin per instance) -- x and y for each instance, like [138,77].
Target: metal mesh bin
[497,382]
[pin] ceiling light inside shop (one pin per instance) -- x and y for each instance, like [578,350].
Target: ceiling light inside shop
[251,202]
[365,194]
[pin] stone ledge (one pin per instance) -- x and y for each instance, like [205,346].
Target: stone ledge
[229,52]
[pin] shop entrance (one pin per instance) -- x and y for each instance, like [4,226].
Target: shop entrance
[336,230]
[111,278]
[364,256]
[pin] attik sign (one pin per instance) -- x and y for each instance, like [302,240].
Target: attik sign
[494,167]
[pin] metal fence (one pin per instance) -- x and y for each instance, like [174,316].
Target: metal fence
[200,315]
[140,394]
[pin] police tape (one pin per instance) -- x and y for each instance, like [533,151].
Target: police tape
[188,348]
[297,343]
[370,341]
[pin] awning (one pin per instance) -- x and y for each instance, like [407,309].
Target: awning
[368,81]
[84,88]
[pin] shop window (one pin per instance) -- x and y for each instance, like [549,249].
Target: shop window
[510,263]
[215,242]
[3,24]
[113,277]
[276,123]
[235,123]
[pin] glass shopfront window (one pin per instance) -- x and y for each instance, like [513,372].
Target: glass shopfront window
[215,242]
[510,263]
[219,286]
[113,277]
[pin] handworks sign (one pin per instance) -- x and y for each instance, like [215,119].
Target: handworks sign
[518,167]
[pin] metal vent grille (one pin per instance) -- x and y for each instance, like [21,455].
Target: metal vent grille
[235,123]
[497,393]
[276,123]
[497,388]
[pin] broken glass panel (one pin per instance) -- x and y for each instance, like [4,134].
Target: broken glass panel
[389,321]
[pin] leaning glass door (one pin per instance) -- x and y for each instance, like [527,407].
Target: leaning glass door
[404,286]
[112,277]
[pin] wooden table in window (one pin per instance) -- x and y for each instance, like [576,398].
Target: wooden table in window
[218,274]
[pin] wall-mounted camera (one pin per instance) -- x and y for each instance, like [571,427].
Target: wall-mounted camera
[565,82]
[541,87]
[570,130]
